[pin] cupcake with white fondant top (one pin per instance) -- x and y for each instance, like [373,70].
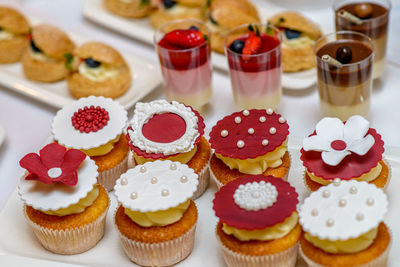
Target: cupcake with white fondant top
[343,226]
[249,142]
[258,222]
[162,130]
[348,150]
[156,219]
[95,125]
[64,205]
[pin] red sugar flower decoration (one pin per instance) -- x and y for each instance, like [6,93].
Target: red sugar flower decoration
[54,164]
[90,119]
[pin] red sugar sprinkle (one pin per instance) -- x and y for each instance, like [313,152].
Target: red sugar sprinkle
[90,119]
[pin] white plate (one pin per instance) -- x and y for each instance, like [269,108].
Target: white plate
[2,134]
[141,29]
[18,240]
[145,77]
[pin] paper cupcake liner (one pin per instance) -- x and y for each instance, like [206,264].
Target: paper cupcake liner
[286,258]
[380,261]
[107,178]
[158,254]
[204,180]
[70,241]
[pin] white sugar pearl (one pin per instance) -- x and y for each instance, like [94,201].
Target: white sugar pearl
[224,133]
[255,194]
[370,201]
[342,203]
[240,144]
[173,166]
[154,180]
[326,194]
[184,179]
[165,192]
[282,120]
[353,190]
[314,212]
[272,130]
[124,181]
[270,111]
[336,181]
[262,119]
[250,130]
[359,217]
[238,120]
[330,222]
[134,195]
[142,169]
[265,142]
[246,112]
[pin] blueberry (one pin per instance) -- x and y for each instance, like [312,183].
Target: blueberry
[169,3]
[194,28]
[237,46]
[91,63]
[344,54]
[35,48]
[213,21]
[292,34]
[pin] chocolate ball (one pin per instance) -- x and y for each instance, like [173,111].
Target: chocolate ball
[344,54]
[363,11]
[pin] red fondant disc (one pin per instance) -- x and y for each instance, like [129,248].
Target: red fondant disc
[230,213]
[154,129]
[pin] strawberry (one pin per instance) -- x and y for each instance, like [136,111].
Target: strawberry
[252,44]
[185,39]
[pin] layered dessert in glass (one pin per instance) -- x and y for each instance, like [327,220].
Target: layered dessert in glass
[344,66]
[183,48]
[254,57]
[370,17]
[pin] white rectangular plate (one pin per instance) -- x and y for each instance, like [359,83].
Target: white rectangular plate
[141,29]
[145,77]
[17,239]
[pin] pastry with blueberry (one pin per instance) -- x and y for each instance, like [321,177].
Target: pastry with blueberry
[129,8]
[44,59]
[97,69]
[14,30]
[169,10]
[298,38]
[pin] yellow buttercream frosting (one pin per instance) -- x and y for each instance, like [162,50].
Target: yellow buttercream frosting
[101,150]
[352,245]
[158,218]
[259,164]
[367,177]
[78,207]
[270,233]
[181,157]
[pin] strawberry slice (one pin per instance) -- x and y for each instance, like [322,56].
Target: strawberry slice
[184,39]
[252,44]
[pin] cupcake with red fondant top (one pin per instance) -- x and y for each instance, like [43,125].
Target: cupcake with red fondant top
[249,142]
[348,150]
[64,205]
[258,222]
[162,130]
[95,126]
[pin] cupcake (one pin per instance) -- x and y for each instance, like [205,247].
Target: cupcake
[249,142]
[156,219]
[64,205]
[349,151]
[169,10]
[95,126]
[225,15]
[44,60]
[298,39]
[97,69]
[343,226]
[14,30]
[258,222]
[129,8]
[161,130]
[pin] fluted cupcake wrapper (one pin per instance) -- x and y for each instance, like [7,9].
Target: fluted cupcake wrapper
[158,254]
[107,178]
[286,258]
[70,241]
[204,180]
[380,261]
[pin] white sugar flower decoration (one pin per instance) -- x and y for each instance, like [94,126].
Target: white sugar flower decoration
[336,140]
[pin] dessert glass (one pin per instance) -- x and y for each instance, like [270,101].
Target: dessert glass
[375,25]
[255,79]
[186,72]
[345,91]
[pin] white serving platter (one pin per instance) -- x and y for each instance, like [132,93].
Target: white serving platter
[145,78]
[2,134]
[18,242]
[142,30]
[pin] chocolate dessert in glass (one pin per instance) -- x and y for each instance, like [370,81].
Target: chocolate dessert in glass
[370,17]
[344,66]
